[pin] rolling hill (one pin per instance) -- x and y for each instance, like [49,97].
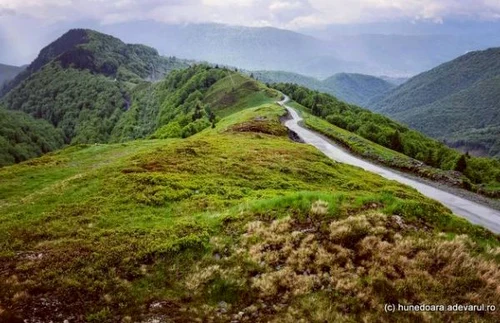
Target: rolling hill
[8,73]
[455,102]
[237,222]
[356,89]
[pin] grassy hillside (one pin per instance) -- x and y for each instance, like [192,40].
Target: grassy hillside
[8,72]
[452,102]
[23,137]
[234,223]
[481,174]
[352,88]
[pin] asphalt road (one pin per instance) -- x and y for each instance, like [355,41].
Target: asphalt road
[472,211]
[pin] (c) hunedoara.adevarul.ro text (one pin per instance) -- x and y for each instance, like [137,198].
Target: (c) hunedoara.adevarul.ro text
[440,308]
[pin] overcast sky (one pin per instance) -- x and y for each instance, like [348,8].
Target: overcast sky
[27,25]
[290,14]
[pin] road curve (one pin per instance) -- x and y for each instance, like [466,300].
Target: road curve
[474,212]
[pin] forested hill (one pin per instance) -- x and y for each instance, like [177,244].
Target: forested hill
[98,53]
[100,91]
[8,72]
[357,89]
[80,85]
[457,102]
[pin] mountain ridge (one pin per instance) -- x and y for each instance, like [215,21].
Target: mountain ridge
[353,88]
[463,90]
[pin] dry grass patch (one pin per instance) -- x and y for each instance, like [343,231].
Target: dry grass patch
[354,266]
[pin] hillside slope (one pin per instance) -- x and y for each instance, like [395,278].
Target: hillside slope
[452,102]
[8,72]
[235,223]
[356,89]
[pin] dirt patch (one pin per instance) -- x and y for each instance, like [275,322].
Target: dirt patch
[259,125]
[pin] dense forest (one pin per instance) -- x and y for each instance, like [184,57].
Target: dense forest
[82,84]
[452,102]
[172,108]
[83,105]
[390,134]
[23,137]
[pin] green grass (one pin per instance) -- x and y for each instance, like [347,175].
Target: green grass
[104,232]
[237,92]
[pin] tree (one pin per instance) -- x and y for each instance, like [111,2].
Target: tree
[395,141]
[197,112]
[461,164]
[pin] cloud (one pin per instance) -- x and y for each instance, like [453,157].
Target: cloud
[279,13]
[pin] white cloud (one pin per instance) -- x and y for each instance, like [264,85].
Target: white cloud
[279,13]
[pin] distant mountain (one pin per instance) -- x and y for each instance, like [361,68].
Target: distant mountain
[277,49]
[246,47]
[357,88]
[8,72]
[400,50]
[456,102]
[352,88]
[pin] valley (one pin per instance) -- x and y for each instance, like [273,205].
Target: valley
[456,102]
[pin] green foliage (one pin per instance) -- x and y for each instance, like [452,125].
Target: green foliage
[461,165]
[22,137]
[83,105]
[457,102]
[390,134]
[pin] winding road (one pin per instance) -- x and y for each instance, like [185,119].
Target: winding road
[474,212]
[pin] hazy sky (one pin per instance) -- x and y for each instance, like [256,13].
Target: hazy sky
[279,13]
[27,25]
